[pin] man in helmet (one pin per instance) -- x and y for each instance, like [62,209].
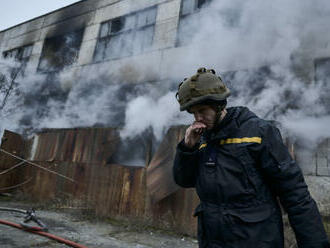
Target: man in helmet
[240,168]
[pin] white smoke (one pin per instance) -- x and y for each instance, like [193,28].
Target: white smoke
[228,35]
[145,111]
[243,36]
[240,34]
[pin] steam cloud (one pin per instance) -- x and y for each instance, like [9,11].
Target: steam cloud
[258,47]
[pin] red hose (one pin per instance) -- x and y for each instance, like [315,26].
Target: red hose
[48,235]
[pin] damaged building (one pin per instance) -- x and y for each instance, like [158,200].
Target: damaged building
[120,50]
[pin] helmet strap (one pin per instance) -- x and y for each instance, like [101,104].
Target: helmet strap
[219,110]
[218,119]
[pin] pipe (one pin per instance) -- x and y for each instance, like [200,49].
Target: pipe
[38,231]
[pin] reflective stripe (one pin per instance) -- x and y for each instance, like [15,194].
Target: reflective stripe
[241,140]
[202,146]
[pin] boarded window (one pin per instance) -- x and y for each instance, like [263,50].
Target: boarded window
[126,36]
[188,24]
[60,51]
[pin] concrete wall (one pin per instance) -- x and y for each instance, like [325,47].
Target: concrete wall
[89,15]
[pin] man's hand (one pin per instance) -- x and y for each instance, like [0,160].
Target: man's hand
[193,134]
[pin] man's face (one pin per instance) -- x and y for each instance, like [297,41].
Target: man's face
[204,114]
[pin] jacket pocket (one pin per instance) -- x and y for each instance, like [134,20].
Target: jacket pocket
[210,167]
[259,223]
[252,214]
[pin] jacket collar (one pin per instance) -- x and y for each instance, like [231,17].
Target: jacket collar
[230,123]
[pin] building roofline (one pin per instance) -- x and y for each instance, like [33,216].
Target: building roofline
[4,30]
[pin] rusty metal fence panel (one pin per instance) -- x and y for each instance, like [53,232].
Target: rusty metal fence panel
[111,190]
[14,144]
[160,181]
[93,145]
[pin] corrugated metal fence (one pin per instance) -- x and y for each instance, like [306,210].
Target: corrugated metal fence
[112,190]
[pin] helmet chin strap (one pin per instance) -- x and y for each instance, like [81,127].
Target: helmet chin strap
[218,116]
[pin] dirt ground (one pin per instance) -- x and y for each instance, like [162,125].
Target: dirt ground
[75,225]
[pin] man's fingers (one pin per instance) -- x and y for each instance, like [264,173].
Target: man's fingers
[193,133]
[198,130]
[198,125]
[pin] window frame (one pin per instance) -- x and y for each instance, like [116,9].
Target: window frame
[18,55]
[198,5]
[57,46]
[134,30]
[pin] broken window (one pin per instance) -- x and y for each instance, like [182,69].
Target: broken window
[21,55]
[60,51]
[126,36]
[188,24]
[9,74]
[117,25]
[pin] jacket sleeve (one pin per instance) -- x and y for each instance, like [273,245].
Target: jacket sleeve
[286,179]
[185,165]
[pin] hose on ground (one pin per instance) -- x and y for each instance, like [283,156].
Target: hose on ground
[45,234]
[30,215]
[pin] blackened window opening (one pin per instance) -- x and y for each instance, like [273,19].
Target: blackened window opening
[117,25]
[126,35]
[60,51]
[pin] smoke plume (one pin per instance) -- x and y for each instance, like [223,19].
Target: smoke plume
[263,50]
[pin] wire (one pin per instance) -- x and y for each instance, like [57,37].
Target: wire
[11,168]
[38,166]
[16,186]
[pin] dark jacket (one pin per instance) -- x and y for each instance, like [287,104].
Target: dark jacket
[239,171]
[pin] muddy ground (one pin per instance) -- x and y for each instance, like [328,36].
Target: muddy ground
[79,226]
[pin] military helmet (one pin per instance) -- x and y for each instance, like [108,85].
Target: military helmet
[204,86]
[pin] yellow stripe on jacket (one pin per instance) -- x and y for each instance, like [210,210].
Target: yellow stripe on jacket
[241,140]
